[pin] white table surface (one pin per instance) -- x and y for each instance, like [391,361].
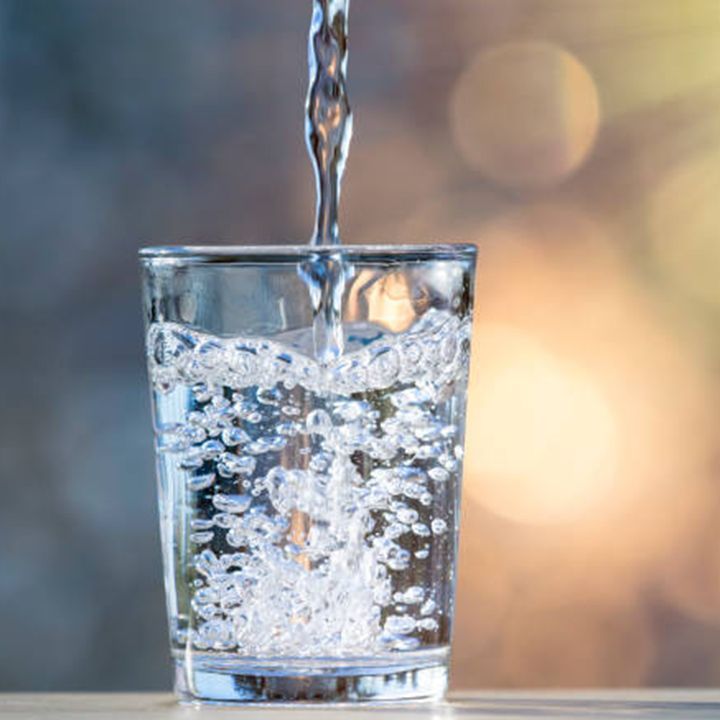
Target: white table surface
[590,705]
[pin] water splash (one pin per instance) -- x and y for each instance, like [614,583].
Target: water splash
[329,119]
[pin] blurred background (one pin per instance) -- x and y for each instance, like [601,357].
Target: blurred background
[576,141]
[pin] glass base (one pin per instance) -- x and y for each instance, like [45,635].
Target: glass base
[412,677]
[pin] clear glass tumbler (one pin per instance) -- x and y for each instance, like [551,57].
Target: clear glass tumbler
[309,414]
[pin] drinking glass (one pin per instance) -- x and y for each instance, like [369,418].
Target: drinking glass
[309,416]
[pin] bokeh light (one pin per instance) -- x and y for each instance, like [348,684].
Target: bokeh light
[544,440]
[685,228]
[636,377]
[680,59]
[590,459]
[525,114]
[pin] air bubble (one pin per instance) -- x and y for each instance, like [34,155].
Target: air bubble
[232,503]
[216,634]
[288,429]
[210,354]
[428,431]
[199,524]
[212,449]
[351,410]
[167,345]
[439,526]
[201,482]
[448,462]
[427,624]
[409,397]
[159,345]
[163,384]
[428,452]
[318,423]
[206,563]
[225,520]
[269,397]
[412,490]
[400,624]
[202,392]
[231,560]
[192,460]
[384,368]
[448,349]
[231,464]
[206,596]
[193,434]
[234,436]
[412,354]
[350,375]
[439,474]
[413,595]
[242,361]
[398,559]
[202,538]
[395,530]
[407,515]
[320,462]
[206,611]
[266,444]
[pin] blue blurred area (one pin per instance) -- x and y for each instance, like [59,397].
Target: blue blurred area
[122,123]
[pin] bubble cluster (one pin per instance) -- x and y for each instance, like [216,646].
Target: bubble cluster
[434,352]
[318,500]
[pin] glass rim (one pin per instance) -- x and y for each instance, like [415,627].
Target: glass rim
[238,254]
